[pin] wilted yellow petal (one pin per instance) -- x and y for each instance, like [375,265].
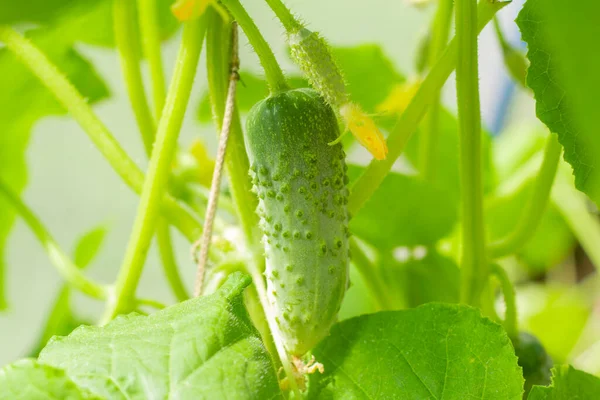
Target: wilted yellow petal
[364,129]
[185,10]
[399,98]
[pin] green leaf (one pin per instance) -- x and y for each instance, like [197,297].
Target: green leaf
[88,21]
[404,211]
[567,384]
[88,246]
[23,101]
[565,80]
[431,352]
[30,380]
[202,348]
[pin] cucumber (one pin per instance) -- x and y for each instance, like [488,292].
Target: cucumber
[301,184]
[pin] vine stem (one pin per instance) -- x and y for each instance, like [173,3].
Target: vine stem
[66,268]
[128,43]
[213,199]
[429,136]
[285,16]
[273,72]
[368,271]
[508,292]
[474,265]
[159,168]
[534,211]
[150,32]
[67,95]
[364,187]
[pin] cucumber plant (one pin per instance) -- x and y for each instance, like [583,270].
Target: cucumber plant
[468,269]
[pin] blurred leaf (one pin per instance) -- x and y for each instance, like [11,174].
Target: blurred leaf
[556,315]
[206,347]
[567,384]
[30,380]
[88,246]
[88,21]
[404,211]
[534,360]
[565,80]
[23,101]
[552,241]
[357,300]
[447,157]
[434,351]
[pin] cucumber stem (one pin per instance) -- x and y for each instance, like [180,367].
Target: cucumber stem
[69,97]
[429,136]
[66,268]
[128,44]
[369,274]
[285,16]
[150,32]
[273,72]
[364,187]
[508,292]
[474,261]
[158,170]
[534,211]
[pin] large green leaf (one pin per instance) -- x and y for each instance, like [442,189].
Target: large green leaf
[431,352]
[30,380]
[203,348]
[568,384]
[405,211]
[562,38]
[23,101]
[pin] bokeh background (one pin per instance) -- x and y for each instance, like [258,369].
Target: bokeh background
[72,188]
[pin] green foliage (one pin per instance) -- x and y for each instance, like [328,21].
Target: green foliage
[434,351]
[568,383]
[564,77]
[200,348]
[534,360]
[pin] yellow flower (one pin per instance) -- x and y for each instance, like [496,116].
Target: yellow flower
[364,129]
[185,10]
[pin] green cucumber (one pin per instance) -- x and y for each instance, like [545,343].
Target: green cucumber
[301,184]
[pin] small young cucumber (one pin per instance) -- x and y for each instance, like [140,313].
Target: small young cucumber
[301,182]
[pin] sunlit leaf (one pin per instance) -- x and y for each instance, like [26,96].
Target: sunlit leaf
[567,384]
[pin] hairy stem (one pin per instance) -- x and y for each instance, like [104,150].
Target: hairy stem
[429,136]
[474,270]
[150,32]
[66,268]
[80,110]
[371,179]
[285,16]
[128,43]
[167,257]
[534,211]
[508,292]
[273,73]
[159,168]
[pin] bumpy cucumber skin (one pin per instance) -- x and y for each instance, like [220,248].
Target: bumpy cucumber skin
[301,184]
[312,54]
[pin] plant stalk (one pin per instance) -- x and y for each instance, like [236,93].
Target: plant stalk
[474,263]
[159,168]
[534,211]
[273,73]
[285,16]
[67,95]
[364,187]
[508,291]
